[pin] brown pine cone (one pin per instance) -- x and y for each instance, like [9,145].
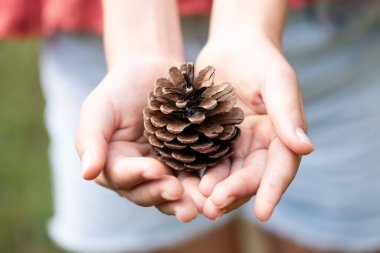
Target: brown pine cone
[191,123]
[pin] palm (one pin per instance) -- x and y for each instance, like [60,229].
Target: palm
[130,169]
[261,164]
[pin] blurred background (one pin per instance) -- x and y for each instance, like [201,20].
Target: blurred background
[25,190]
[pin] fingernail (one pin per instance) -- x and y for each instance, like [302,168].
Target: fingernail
[168,195]
[87,160]
[303,137]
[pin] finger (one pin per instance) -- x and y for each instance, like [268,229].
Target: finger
[95,128]
[281,168]
[154,192]
[283,101]
[237,204]
[212,212]
[168,208]
[213,176]
[241,184]
[128,172]
[184,209]
[190,183]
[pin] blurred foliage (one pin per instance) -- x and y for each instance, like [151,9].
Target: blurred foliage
[25,190]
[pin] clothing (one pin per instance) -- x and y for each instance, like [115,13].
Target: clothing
[20,18]
[333,203]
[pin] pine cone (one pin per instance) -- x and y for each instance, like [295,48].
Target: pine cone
[191,123]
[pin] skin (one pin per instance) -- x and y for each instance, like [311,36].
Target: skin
[268,153]
[110,139]
[108,142]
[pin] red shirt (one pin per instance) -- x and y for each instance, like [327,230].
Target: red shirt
[20,18]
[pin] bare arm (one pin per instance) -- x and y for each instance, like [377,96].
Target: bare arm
[245,48]
[142,40]
[246,19]
[133,28]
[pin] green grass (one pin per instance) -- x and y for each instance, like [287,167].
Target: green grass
[25,196]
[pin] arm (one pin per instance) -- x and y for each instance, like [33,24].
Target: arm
[142,40]
[133,37]
[248,19]
[245,47]
[135,28]
[250,25]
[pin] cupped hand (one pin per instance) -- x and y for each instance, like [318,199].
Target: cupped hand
[267,155]
[115,153]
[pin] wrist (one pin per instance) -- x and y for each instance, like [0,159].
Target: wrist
[248,20]
[136,28]
[257,41]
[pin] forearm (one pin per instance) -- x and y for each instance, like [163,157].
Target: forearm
[246,19]
[133,28]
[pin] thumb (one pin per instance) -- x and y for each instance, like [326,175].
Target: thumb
[283,101]
[95,129]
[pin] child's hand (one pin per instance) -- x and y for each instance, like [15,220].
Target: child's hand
[114,151]
[267,155]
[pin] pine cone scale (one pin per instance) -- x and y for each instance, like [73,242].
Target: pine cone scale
[176,76]
[175,145]
[163,83]
[164,135]
[208,104]
[177,127]
[188,138]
